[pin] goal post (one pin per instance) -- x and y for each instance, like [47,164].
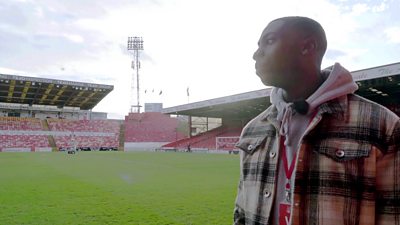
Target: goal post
[226,143]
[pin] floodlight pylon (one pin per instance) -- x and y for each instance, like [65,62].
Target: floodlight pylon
[135,45]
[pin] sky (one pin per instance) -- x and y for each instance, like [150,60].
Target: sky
[205,46]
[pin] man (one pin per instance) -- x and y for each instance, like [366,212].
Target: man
[319,154]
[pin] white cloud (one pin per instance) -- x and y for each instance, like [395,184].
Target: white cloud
[393,34]
[23,1]
[349,60]
[38,11]
[206,45]
[380,8]
[359,9]
[74,38]
[12,71]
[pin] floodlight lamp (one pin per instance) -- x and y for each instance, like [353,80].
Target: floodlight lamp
[135,43]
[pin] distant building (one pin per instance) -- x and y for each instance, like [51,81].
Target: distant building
[153,107]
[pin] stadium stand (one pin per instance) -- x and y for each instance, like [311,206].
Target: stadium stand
[208,140]
[111,126]
[21,134]
[85,134]
[17,123]
[380,84]
[33,133]
[150,130]
[23,142]
[38,114]
[87,142]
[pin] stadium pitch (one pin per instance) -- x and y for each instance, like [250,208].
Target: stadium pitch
[117,188]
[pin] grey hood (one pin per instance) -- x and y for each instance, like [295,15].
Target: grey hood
[338,82]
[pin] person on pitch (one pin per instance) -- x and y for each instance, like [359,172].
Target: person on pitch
[320,154]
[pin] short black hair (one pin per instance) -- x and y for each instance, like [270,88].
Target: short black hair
[308,27]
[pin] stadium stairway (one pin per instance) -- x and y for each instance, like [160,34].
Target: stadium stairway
[121,139]
[52,142]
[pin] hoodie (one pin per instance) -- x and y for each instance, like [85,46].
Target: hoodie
[338,82]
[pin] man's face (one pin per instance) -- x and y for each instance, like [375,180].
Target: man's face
[277,55]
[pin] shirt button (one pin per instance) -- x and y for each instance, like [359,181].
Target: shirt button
[272,154]
[267,194]
[300,160]
[296,204]
[339,153]
[250,147]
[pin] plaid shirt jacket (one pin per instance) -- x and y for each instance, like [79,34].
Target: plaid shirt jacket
[347,168]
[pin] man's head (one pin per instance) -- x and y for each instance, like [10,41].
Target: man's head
[290,50]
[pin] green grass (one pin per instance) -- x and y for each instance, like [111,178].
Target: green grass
[117,188]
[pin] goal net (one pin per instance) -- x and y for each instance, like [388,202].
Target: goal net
[226,143]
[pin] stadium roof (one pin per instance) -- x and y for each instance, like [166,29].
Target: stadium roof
[380,84]
[237,106]
[43,91]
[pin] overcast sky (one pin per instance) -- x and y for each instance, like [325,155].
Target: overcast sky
[206,45]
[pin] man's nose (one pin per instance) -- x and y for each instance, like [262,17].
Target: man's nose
[256,54]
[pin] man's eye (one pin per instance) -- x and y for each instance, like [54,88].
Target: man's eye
[269,41]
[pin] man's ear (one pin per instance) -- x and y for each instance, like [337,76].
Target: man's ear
[310,45]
